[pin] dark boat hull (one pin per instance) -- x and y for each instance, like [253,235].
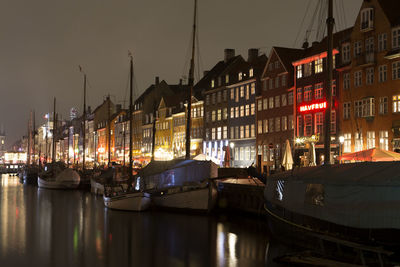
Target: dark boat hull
[318,235]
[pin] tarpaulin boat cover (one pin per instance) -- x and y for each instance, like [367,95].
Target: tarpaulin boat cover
[161,174]
[361,195]
[373,154]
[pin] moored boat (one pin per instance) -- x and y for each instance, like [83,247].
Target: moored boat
[126,200]
[57,176]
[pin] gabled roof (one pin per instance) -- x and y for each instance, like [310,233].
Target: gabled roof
[285,55]
[391,9]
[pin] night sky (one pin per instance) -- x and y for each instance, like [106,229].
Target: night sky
[43,42]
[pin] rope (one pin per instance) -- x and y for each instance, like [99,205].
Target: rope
[301,24]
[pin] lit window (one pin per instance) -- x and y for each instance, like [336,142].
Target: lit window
[370,139]
[319,122]
[396,103]
[384,140]
[318,91]
[318,65]
[299,71]
[240,76]
[251,72]
[307,93]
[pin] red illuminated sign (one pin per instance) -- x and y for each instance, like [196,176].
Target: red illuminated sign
[311,107]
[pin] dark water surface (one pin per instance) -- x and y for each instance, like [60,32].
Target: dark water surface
[72,228]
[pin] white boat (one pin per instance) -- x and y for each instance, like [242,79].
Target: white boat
[131,201]
[201,197]
[64,179]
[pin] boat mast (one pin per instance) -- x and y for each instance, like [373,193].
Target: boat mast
[84,119]
[109,131]
[53,151]
[191,82]
[34,141]
[327,137]
[130,117]
[29,140]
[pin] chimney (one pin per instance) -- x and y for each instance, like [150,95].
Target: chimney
[252,55]
[157,80]
[305,45]
[228,54]
[205,72]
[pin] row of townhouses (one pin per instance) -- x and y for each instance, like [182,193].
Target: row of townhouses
[246,110]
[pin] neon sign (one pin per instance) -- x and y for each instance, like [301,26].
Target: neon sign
[311,107]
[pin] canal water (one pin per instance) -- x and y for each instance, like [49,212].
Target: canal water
[41,227]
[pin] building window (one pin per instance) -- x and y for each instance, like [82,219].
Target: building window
[370,139]
[370,76]
[247,92]
[247,110]
[225,132]
[346,81]
[308,125]
[384,140]
[319,122]
[347,143]
[252,130]
[284,79]
[219,97]
[277,101]
[225,113]
[219,115]
[299,71]
[247,131]
[367,18]
[346,53]
[237,95]
[290,122]
[265,126]
[357,48]
[383,105]
[259,127]
[382,73]
[396,103]
[307,93]
[307,69]
[318,66]
[241,111]
[271,84]
[396,70]
[290,98]
[346,110]
[253,88]
[265,84]
[299,125]
[265,103]
[396,38]
[277,82]
[232,132]
[318,91]
[358,78]
[232,113]
[219,133]
[382,42]
[253,109]
[241,91]
[271,125]
[284,123]
[237,132]
[277,124]
[241,132]
[237,112]
[259,105]
[251,72]
[232,93]
[213,98]
[299,95]
[271,102]
[358,108]
[207,100]
[333,122]
[213,133]
[227,78]
[212,83]
[240,76]
[369,45]
[368,107]
[284,100]
[358,142]
[213,115]
[224,95]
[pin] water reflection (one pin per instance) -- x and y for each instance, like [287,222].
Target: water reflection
[72,228]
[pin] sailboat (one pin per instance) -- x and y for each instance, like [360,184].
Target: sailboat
[183,184]
[31,170]
[129,198]
[57,175]
[347,206]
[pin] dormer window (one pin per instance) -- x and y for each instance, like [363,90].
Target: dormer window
[227,78]
[367,19]
[251,72]
[212,83]
[240,76]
